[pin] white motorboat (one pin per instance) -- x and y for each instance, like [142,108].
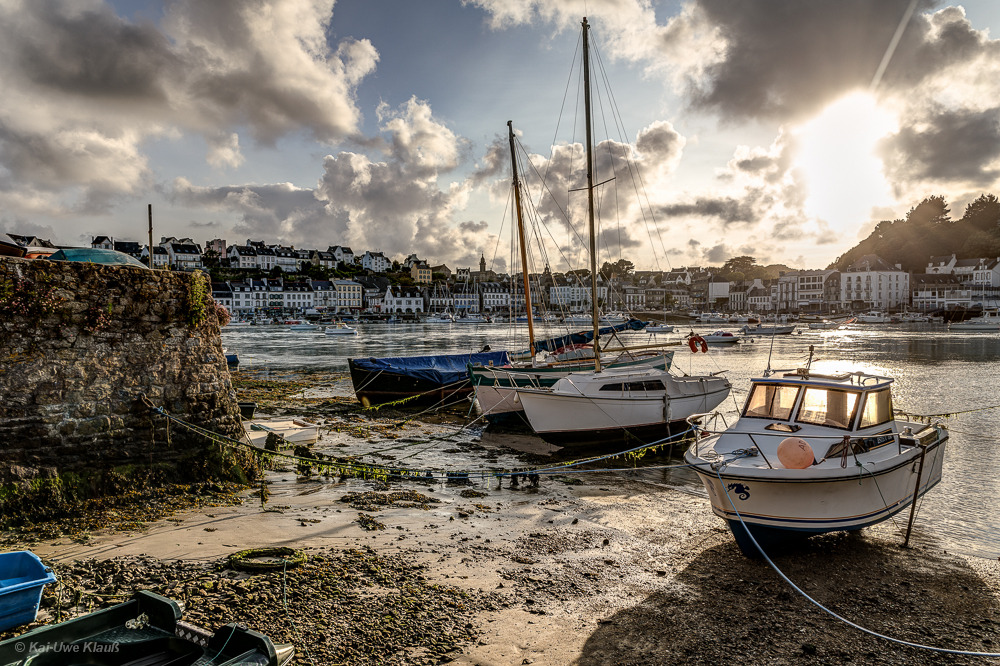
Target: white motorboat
[815,453]
[473,319]
[440,318]
[988,321]
[304,326]
[237,323]
[340,328]
[769,329]
[660,328]
[618,404]
[720,338]
[874,317]
[293,431]
[831,324]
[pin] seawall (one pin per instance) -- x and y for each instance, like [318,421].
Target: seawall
[80,346]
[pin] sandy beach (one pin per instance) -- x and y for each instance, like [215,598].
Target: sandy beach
[596,568]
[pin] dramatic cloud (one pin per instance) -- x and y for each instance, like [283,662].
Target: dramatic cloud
[84,88]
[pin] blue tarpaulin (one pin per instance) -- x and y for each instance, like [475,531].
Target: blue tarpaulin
[583,337]
[444,369]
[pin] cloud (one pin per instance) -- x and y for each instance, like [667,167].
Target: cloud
[85,89]
[959,146]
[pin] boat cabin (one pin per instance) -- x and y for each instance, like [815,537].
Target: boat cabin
[855,401]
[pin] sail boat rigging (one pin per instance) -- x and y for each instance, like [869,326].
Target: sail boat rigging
[610,405]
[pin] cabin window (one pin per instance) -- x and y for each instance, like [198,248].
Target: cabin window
[654,385]
[768,401]
[877,409]
[828,407]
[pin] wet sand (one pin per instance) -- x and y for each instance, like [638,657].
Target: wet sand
[599,568]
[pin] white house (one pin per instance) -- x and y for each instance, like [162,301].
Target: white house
[375,262]
[242,256]
[342,254]
[874,283]
[403,301]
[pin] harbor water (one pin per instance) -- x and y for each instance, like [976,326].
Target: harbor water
[938,372]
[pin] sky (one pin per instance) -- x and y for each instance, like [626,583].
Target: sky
[779,129]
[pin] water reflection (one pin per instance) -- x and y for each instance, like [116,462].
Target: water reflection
[936,372]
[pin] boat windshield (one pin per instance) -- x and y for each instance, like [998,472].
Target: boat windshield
[828,407]
[877,409]
[768,401]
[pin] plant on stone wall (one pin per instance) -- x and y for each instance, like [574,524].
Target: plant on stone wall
[30,299]
[221,312]
[98,318]
[198,299]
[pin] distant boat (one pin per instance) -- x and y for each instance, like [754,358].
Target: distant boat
[831,324]
[874,317]
[340,328]
[304,327]
[771,329]
[988,321]
[439,318]
[659,328]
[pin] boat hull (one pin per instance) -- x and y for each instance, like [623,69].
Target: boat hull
[496,388]
[586,420]
[419,380]
[784,503]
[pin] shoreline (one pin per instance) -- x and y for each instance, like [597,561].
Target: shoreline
[599,568]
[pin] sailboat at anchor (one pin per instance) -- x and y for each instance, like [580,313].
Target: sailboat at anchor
[612,405]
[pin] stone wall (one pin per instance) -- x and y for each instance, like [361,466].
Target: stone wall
[81,344]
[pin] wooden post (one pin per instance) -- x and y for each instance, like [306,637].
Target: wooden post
[916,493]
[150,235]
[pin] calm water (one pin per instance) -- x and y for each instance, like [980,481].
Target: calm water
[936,372]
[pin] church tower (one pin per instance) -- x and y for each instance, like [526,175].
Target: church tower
[482,264]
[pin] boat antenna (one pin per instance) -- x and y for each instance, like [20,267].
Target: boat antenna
[520,237]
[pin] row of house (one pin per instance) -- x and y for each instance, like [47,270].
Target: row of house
[868,283]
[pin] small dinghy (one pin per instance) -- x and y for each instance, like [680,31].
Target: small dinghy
[144,631]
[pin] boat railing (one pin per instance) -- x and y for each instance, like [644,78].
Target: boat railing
[843,446]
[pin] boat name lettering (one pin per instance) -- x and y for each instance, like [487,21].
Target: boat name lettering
[742,491]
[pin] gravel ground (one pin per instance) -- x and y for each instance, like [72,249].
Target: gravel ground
[601,568]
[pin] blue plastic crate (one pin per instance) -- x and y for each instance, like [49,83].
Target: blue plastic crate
[22,578]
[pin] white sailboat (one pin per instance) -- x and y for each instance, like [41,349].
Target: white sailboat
[611,405]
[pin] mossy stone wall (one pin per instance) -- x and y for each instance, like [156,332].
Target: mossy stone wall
[81,344]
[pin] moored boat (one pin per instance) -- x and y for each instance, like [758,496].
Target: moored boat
[988,321]
[768,329]
[304,326]
[147,631]
[874,317]
[814,453]
[420,380]
[340,328]
[293,431]
[720,338]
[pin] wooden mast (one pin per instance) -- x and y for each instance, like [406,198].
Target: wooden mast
[520,237]
[590,195]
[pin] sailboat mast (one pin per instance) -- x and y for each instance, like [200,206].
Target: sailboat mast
[520,238]
[590,194]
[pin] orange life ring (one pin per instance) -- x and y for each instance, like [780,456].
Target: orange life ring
[694,341]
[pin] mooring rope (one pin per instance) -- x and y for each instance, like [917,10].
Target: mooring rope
[823,608]
[368,470]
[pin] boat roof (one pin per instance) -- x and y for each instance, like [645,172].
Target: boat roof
[858,380]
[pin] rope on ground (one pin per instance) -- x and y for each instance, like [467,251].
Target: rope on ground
[373,471]
[823,608]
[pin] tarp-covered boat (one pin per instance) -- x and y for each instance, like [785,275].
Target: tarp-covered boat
[424,380]
[145,630]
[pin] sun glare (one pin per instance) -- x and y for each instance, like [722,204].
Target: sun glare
[837,159]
